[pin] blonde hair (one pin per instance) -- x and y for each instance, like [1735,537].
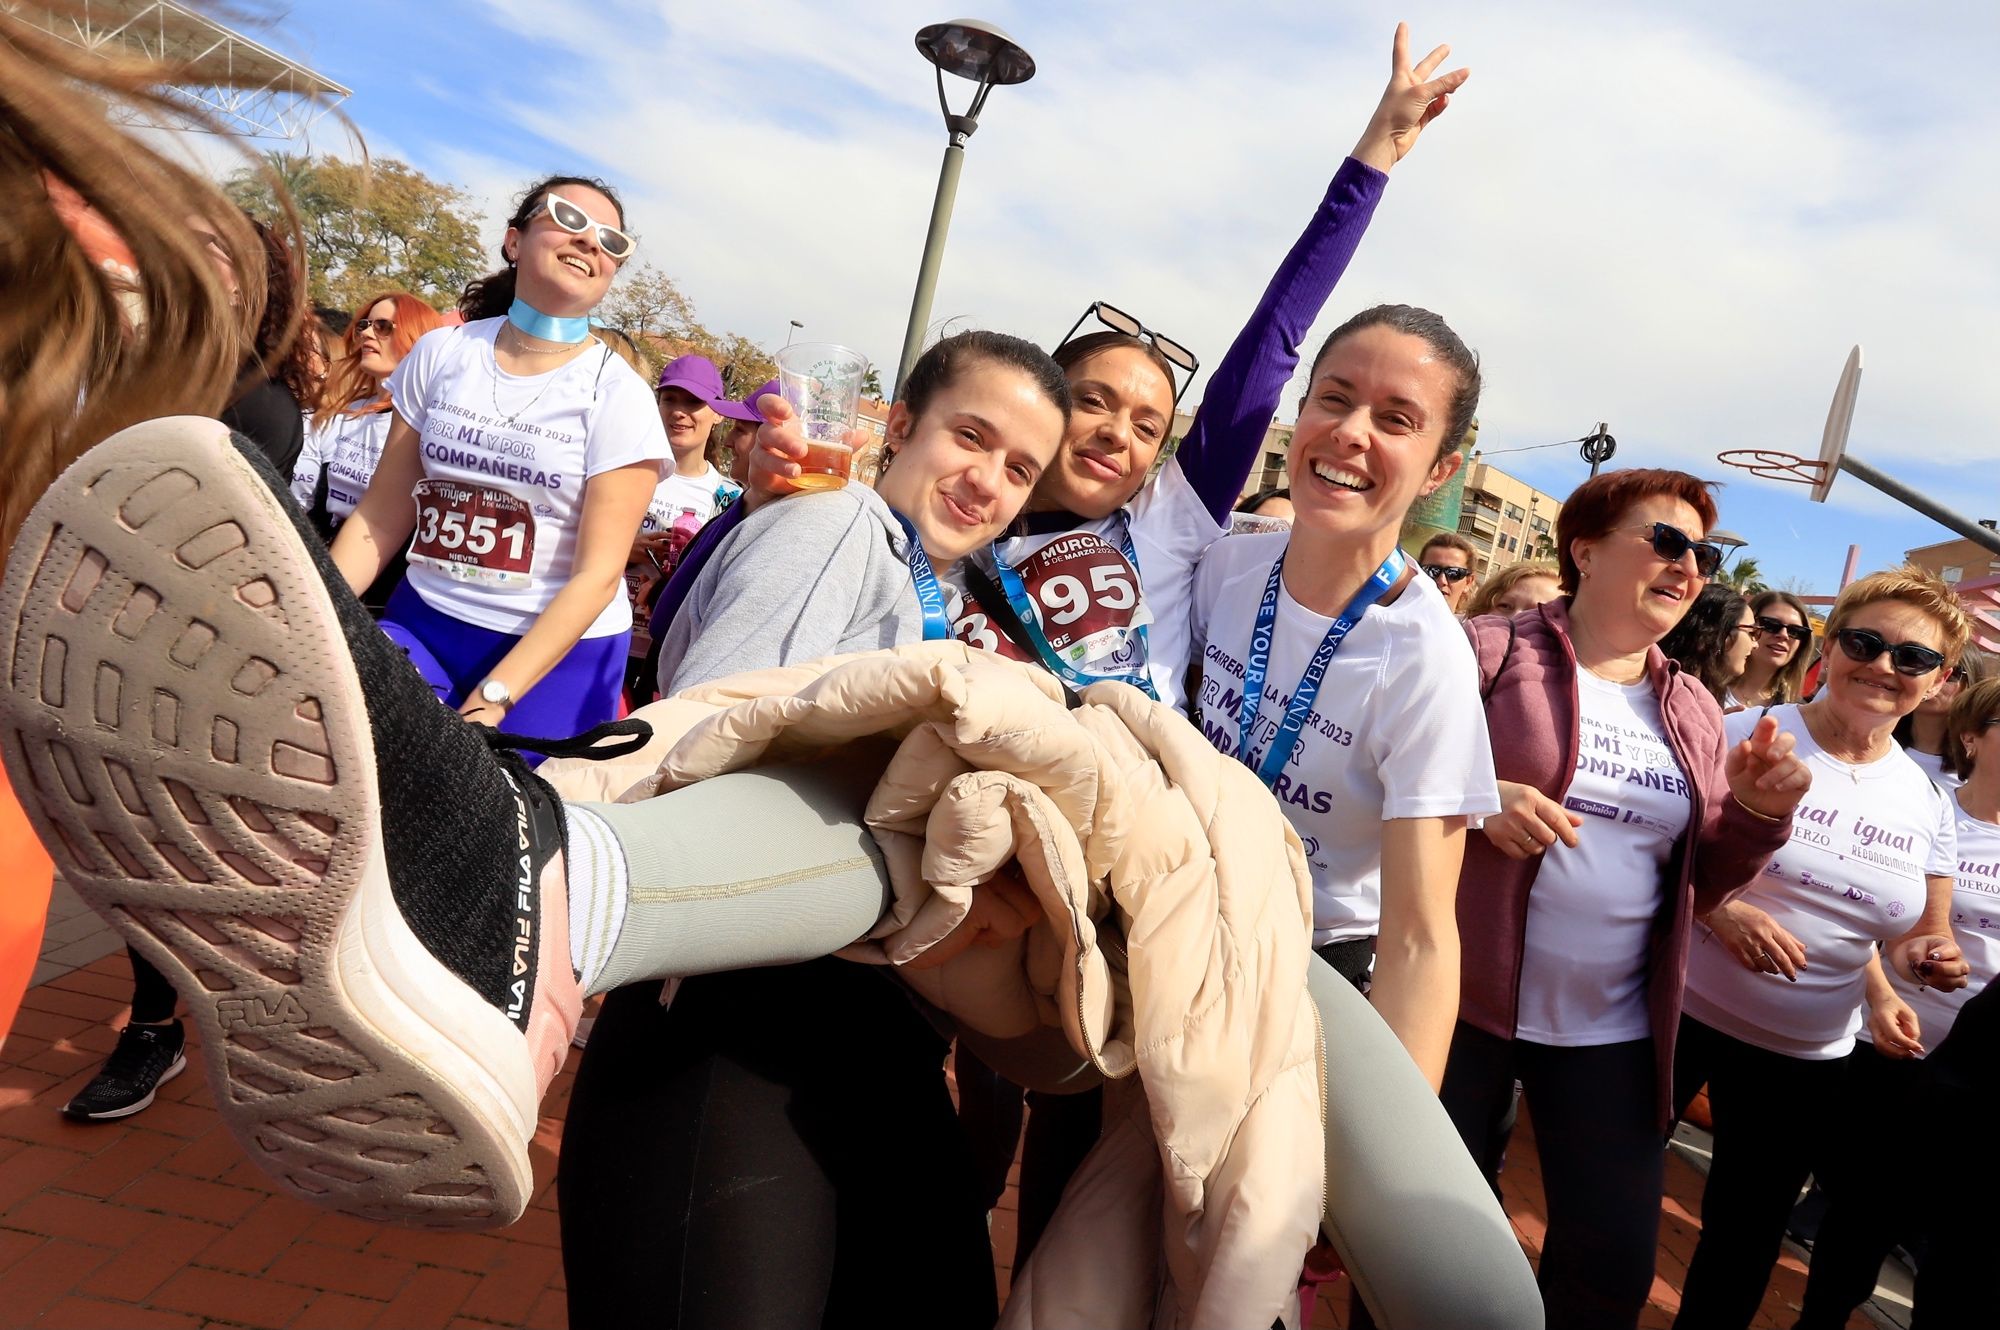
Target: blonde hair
[90,344]
[1789,683]
[1920,589]
[1970,710]
[1498,584]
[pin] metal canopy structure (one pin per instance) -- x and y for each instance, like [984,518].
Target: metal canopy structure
[248,88]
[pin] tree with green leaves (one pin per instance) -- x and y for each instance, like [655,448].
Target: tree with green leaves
[1745,576]
[871,387]
[370,228]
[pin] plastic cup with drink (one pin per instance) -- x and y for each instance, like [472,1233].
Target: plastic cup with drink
[822,384]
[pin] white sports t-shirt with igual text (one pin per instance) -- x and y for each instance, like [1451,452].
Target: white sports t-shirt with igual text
[347,449]
[1863,839]
[1091,602]
[506,458]
[1397,731]
[1975,923]
[1592,909]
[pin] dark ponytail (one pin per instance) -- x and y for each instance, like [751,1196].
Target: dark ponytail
[491,296]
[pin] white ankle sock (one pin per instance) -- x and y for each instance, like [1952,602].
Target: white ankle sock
[599,891]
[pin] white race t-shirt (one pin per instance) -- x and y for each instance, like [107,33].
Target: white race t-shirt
[1975,922]
[1592,909]
[1863,839]
[704,495]
[1933,766]
[347,449]
[506,458]
[1083,587]
[1398,730]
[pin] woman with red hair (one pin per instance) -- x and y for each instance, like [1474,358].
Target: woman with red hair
[1625,811]
[350,420]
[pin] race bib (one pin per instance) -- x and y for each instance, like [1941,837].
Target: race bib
[1084,600]
[474,533]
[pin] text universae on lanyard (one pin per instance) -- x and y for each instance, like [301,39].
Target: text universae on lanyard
[1258,663]
[930,594]
[1030,616]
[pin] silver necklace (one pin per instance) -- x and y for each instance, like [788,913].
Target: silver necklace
[550,376]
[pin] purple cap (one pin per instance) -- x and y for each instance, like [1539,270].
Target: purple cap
[697,375]
[746,410]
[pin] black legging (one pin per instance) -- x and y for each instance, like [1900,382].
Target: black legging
[778,1149]
[1597,1134]
[153,1000]
[1863,1175]
[1773,1115]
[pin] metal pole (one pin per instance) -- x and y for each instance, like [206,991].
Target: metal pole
[927,275]
[1910,498]
[1853,562]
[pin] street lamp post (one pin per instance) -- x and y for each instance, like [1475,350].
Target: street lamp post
[796,328]
[983,53]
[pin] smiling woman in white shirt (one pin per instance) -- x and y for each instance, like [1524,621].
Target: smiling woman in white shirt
[517,469]
[1774,994]
[1867,1177]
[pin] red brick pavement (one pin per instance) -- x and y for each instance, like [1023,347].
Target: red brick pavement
[160,1221]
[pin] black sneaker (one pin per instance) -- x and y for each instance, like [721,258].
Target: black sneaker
[147,1057]
[362,905]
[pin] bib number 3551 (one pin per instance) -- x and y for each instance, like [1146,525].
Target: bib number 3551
[473,533]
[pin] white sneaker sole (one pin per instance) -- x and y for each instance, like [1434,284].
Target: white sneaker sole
[184,726]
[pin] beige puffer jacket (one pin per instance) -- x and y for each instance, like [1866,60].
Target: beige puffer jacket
[1177,914]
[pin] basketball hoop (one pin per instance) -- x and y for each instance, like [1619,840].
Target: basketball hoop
[1774,465]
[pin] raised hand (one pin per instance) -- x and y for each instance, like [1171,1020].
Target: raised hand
[1529,822]
[774,461]
[1411,101]
[1764,774]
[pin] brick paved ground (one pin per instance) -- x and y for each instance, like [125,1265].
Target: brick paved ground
[161,1222]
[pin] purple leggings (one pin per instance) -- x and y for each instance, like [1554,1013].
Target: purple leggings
[454,657]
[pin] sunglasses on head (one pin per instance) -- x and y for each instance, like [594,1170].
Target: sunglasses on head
[1119,321]
[616,244]
[1911,658]
[1670,543]
[1446,572]
[1771,627]
[386,327]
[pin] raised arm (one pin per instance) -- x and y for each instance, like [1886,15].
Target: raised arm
[1244,389]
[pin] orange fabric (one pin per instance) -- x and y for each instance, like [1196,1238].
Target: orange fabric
[25,877]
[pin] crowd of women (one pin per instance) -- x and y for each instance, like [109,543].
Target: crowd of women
[1579,832]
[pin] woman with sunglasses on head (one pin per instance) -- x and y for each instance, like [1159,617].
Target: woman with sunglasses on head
[1775,989]
[1868,1176]
[1776,670]
[349,424]
[1518,586]
[1924,733]
[1624,810]
[520,458]
[747,1124]
[1713,639]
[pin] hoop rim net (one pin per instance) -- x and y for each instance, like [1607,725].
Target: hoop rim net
[1773,464]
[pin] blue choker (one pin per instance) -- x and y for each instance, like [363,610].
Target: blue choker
[546,326]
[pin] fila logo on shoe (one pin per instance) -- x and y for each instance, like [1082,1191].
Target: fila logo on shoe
[524,910]
[254,1013]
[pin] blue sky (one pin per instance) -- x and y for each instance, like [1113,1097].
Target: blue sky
[1674,219]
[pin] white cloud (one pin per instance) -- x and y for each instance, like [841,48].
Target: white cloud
[1673,220]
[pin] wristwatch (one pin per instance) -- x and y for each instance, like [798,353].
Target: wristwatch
[495,692]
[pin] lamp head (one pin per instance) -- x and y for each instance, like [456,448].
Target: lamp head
[977,51]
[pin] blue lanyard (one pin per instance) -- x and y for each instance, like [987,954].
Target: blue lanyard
[930,594]
[1030,616]
[1286,741]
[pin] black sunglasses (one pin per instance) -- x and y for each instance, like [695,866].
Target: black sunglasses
[1670,543]
[1798,632]
[1119,321]
[1909,658]
[1448,572]
[387,327]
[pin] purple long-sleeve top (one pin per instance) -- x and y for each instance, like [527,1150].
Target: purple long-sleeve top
[1243,392]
